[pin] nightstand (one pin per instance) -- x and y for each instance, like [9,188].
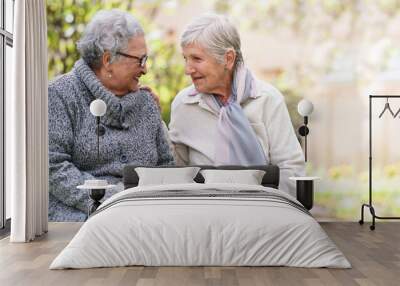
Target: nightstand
[96,195]
[305,190]
[97,190]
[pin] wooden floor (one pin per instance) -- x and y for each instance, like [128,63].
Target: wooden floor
[374,255]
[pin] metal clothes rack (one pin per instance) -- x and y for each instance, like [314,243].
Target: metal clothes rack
[370,204]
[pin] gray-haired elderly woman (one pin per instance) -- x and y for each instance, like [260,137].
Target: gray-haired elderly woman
[113,58]
[228,117]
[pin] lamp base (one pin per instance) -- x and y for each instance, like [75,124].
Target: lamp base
[100,130]
[303,130]
[96,195]
[305,193]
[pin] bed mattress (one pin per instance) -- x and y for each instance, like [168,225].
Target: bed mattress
[201,225]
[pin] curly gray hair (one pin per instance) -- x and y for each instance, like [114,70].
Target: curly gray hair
[216,34]
[109,30]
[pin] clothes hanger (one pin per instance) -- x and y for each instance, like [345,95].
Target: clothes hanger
[387,107]
[397,113]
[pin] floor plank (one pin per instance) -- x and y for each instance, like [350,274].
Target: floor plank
[374,255]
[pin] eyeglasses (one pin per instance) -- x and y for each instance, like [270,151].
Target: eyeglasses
[142,60]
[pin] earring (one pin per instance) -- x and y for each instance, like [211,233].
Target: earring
[109,75]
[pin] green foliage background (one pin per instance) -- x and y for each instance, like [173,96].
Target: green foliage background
[66,21]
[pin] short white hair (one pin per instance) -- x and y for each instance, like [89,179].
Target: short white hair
[216,34]
[109,30]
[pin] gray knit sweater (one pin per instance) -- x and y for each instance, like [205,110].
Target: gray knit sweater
[134,135]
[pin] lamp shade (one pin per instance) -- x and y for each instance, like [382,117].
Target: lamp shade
[305,107]
[98,107]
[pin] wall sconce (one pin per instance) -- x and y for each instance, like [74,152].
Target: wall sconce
[305,108]
[96,188]
[98,108]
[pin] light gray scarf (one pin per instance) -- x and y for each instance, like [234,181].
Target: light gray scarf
[236,142]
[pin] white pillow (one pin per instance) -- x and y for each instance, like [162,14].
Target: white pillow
[165,176]
[248,177]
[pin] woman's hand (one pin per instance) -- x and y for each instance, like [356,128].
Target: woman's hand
[155,96]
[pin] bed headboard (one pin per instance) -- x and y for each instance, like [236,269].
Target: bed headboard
[270,179]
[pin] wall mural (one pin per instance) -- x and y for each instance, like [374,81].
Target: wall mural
[333,53]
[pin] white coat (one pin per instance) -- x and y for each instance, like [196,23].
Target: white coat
[193,128]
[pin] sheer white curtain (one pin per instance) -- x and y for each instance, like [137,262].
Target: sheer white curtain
[26,124]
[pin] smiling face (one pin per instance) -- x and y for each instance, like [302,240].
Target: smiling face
[208,75]
[122,75]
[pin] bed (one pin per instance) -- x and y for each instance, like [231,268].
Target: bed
[201,224]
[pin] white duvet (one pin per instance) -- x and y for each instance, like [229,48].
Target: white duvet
[183,231]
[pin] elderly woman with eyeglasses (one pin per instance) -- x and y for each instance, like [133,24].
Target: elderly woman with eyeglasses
[228,116]
[113,58]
